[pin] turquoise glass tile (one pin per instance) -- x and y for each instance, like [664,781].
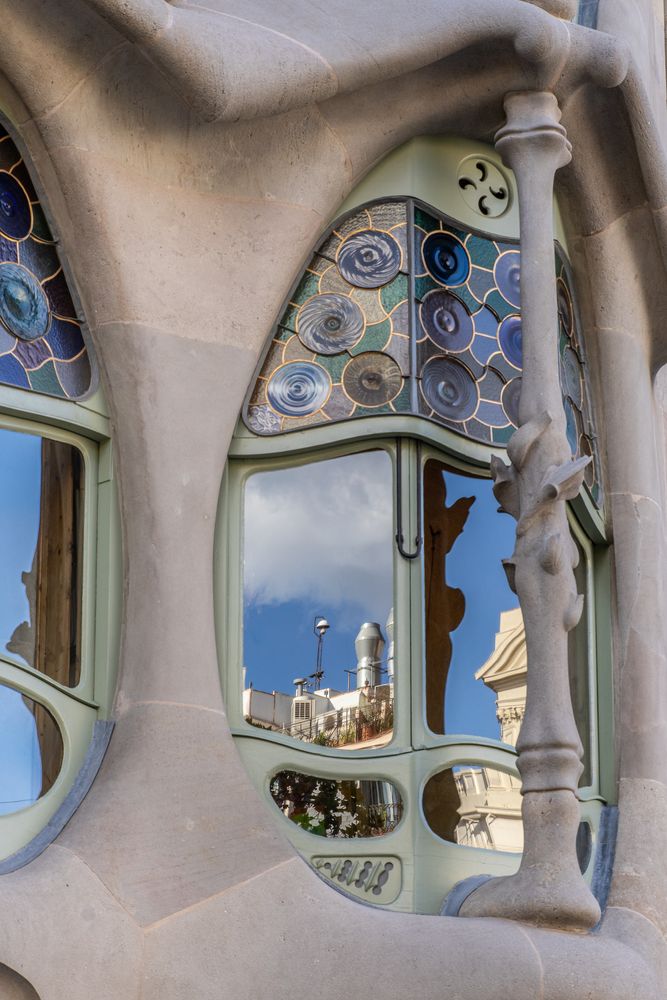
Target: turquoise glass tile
[44,379]
[499,305]
[308,286]
[334,364]
[375,338]
[482,252]
[394,292]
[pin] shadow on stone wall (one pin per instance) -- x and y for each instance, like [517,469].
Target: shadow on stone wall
[15,987]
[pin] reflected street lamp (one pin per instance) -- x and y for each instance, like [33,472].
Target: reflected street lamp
[320,628]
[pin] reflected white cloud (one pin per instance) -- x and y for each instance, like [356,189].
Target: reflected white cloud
[322,533]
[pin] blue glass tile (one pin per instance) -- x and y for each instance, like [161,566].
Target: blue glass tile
[65,339]
[483,348]
[12,372]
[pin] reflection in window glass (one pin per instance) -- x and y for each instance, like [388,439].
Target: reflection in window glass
[578,666]
[31,750]
[40,541]
[465,593]
[344,808]
[475,806]
[318,583]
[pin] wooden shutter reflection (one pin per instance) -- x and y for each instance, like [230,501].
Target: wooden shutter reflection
[57,618]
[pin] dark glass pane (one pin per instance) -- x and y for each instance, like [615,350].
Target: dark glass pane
[467,600]
[318,544]
[31,750]
[343,808]
[40,538]
[475,806]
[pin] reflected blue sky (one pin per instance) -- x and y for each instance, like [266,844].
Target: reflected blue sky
[20,758]
[318,541]
[474,565]
[20,465]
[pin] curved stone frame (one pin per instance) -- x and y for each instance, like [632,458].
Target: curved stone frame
[83,713]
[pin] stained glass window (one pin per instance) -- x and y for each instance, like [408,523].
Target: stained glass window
[41,346]
[401,311]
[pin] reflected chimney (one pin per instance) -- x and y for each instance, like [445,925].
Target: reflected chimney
[369,645]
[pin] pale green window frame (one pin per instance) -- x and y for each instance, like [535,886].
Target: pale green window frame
[414,170]
[77,710]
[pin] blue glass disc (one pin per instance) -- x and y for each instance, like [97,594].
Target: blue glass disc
[446,258]
[446,320]
[15,210]
[510,340]
[24,309]
[510,400]
[298,388]
[449,388]
[507,272]
[369,258]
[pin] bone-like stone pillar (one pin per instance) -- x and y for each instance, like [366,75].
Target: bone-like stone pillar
[548,888]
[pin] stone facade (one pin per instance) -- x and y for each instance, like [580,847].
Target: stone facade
[190,155]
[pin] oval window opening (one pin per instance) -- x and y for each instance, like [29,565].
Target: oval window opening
[31,750]
[475,806]
[330,807]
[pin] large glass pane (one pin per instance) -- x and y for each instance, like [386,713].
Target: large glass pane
[475,806]
[31,750]
[317,597]
[337,808]
[40,540]
[472,619]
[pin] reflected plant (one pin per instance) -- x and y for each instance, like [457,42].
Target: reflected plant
[330,808]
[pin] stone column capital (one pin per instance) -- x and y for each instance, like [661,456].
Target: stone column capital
[532,128]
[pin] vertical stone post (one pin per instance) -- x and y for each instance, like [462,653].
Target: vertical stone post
[548,888]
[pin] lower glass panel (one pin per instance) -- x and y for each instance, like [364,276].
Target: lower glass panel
[337,808]
[475,806]
[31,750]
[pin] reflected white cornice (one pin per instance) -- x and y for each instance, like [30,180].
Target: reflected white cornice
[227,67]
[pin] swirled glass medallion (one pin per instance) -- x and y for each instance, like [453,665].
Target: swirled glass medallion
[408,313]
[369,259]
[446,320]
[445,258]
[510,340]
[298,388]
[449,389]
[507,272]
[372,379]
[41,345]
[329,323]
[15,209]
[24,309]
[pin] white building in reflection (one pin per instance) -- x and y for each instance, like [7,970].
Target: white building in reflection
[490,808]
[362,716]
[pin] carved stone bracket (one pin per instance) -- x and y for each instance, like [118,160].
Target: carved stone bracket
[533,488]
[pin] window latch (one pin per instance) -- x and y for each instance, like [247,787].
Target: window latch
[400,540]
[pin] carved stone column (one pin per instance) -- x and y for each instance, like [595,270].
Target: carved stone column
[548,888]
